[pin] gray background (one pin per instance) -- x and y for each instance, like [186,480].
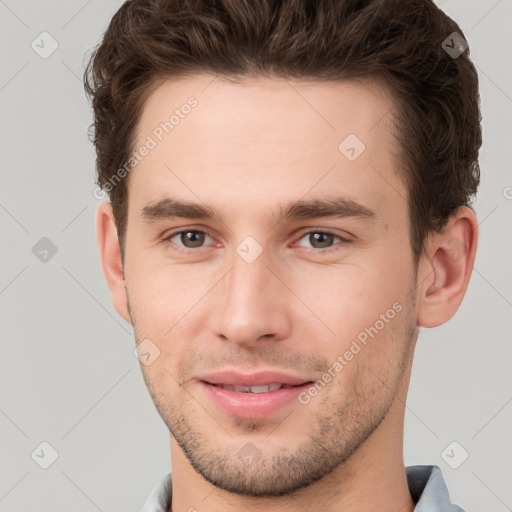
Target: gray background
[68,375]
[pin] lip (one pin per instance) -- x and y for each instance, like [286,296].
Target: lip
[234,378]
[252,405]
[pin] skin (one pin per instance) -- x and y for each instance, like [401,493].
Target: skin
[245,150]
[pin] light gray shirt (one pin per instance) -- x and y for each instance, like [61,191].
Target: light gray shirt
[426,485]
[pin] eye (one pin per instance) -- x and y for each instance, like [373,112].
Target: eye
[321,239]
[196,239]
[188,238]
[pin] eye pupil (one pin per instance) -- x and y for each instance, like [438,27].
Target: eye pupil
[321,240]
[192,238]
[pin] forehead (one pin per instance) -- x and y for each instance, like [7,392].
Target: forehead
[271,140]
[258,108]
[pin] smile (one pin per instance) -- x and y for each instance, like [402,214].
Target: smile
[254,389]
[252,396]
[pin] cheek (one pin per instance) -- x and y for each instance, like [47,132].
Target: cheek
[366,365]
[169,306]
[163,295]
[349,298]
[366,309]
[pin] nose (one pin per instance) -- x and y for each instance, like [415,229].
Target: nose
[253,305]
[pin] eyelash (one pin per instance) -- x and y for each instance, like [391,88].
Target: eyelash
[182,249]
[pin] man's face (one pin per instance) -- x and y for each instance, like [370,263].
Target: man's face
[258,287]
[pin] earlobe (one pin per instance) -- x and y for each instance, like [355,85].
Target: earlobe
[110,256]
[445,269]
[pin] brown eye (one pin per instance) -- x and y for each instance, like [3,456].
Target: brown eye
[321,240]
[189,239]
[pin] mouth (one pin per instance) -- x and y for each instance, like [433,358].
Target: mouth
[265,388]
[252,396]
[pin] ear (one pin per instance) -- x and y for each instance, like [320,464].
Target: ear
[110,255]
[445,269]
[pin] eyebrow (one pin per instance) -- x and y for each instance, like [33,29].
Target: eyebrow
[336,207]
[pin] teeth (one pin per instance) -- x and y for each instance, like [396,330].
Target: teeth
[253,389]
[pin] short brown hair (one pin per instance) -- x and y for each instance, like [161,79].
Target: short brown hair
[405,43]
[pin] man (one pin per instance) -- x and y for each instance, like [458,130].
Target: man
[290,188]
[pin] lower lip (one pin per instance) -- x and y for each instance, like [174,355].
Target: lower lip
[252,405]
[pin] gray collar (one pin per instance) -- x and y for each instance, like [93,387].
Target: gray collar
[426,485]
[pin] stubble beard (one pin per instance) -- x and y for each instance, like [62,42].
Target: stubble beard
[337,433]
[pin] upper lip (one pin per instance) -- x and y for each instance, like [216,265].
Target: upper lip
[261,378]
